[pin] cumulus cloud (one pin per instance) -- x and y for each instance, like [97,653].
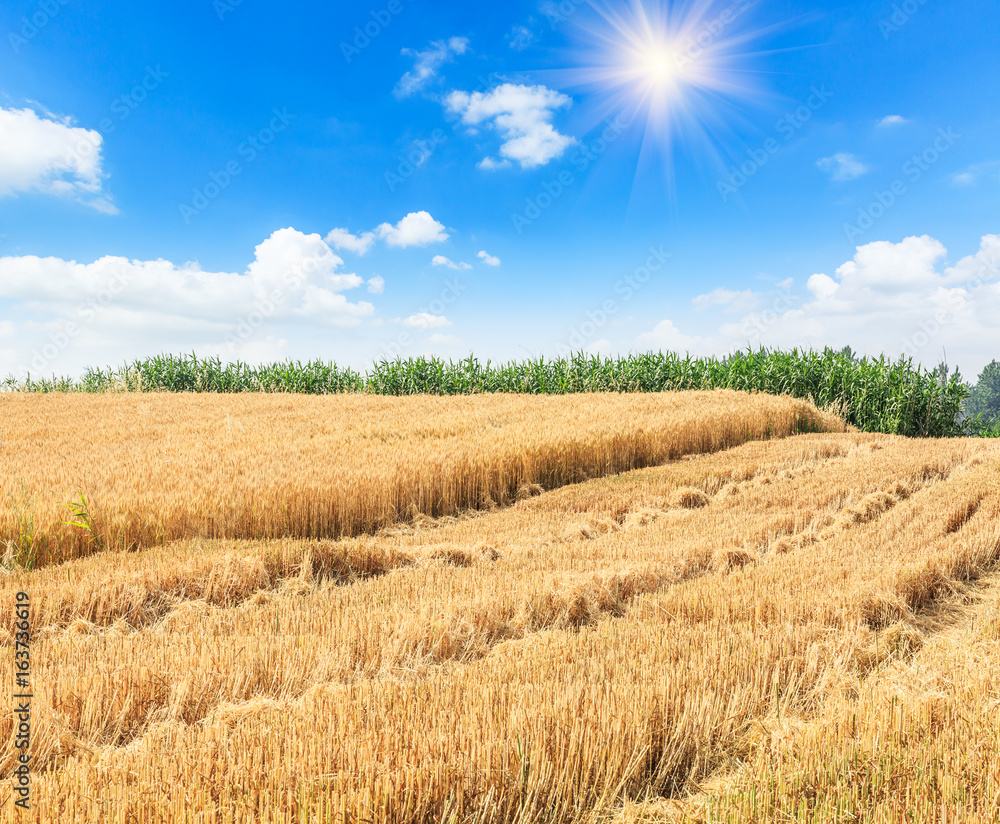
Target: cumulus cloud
[732,301]
[416,229]
[376,284]
[892,120]
[842,167]
[343,239]
[427,63]
[425,320]
[118,305]
[441,260]
[892,298]
[48,155]
[523,117]
[488,259]
[822,286]
[666,336]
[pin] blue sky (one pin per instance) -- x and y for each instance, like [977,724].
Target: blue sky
[358,181]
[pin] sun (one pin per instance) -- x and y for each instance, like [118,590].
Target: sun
[656,66]
[676,70]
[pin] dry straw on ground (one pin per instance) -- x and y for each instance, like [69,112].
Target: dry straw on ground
[722,635]
[158,467]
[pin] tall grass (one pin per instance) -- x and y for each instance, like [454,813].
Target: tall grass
[876,395]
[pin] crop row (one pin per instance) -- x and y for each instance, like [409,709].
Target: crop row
[874,394]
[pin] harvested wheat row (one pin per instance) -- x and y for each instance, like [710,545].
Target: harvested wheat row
[567,659]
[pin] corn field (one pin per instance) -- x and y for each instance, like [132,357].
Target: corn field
[875,395]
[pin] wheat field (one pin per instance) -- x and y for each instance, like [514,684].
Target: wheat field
[159,467]
[743,630]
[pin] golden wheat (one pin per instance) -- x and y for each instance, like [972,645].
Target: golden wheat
[159,467]
[712,639]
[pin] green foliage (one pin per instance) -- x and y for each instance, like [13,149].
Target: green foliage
[875,395]
[82,518]
[984,400]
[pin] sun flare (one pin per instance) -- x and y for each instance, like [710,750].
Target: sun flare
[657,65]
[679,72]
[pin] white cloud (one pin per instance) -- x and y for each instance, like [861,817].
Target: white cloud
[416,229]
[424,320]
[665,335]
[343,239]
[488,259]
[119,306]
[490,164]
[822,286]
[601,346]
[522,115]
[376,284]
[743,301]
[521,37]
[892,120]
[842,167]
[427,63]
[972,175]
[441,260]
[445,340]
[47,155]
[891,298]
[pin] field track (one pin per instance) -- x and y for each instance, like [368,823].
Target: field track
[796,629]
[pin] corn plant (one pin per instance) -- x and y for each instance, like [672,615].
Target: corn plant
[876,394]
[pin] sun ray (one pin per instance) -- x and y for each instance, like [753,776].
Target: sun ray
[680,72]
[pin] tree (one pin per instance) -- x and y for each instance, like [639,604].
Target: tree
[985,398]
